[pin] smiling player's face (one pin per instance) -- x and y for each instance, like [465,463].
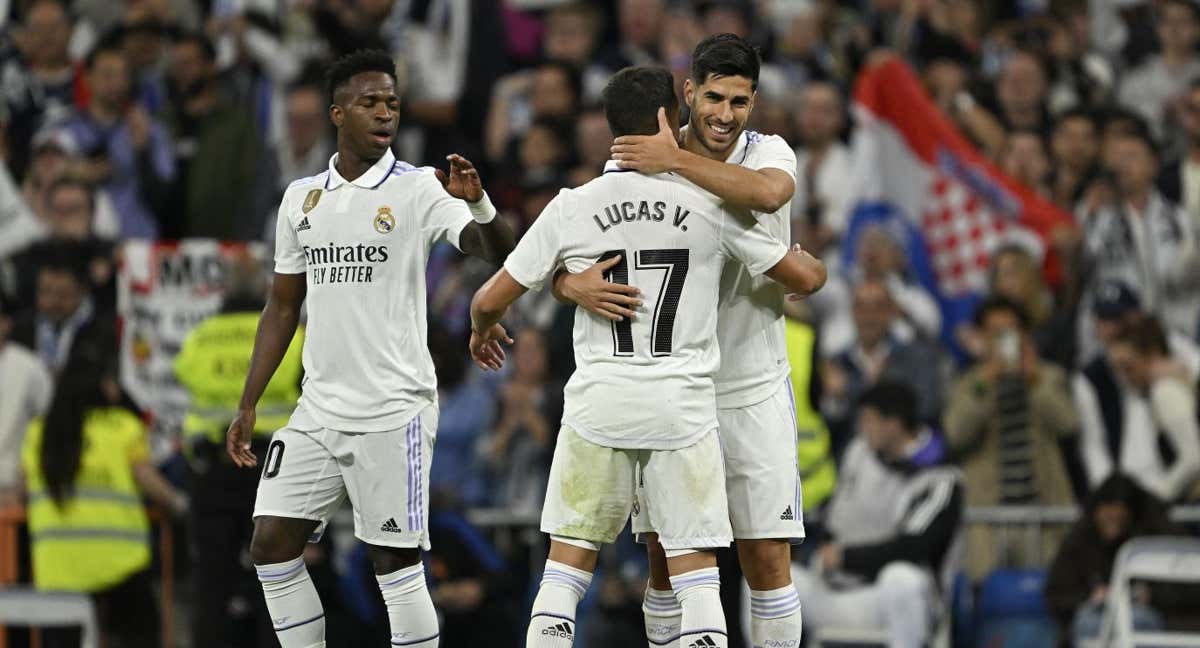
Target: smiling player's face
[720,108]
[367,114]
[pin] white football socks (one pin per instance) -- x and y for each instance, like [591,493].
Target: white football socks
[775,617]
[663,617]
[552,622]
[296,612]
[703,622]
[410,610]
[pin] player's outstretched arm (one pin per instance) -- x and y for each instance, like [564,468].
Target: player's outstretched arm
[489,304]
[800,272]
[596,294]
[763,190]
[488,238]
[276,327]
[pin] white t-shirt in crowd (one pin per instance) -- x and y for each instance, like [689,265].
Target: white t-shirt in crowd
[363,245]
[25,391]
[646,383]
[750,321]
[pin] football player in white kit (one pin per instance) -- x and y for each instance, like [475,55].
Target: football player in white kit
[354,240]
[752,173]
[640,409]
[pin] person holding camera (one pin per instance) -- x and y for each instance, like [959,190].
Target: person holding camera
[1011,424]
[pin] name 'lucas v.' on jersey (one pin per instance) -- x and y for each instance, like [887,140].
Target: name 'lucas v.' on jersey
[645,383]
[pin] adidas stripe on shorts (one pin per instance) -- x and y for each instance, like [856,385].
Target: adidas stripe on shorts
[307,474]
[762,479]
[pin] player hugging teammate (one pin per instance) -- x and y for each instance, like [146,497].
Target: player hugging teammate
[708,454]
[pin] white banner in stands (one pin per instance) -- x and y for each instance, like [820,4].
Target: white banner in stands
[164,289]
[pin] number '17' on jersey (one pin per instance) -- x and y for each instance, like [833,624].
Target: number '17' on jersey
[645,383]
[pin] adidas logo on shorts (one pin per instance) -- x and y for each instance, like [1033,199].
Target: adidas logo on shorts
[303,225]
[560,630]
[703,642]
[787,514]
[391,527]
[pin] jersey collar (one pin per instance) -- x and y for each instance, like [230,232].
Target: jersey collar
[611,166]
[370,179]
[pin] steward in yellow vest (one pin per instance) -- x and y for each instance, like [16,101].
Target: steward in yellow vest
[87,466]
[818,473]
[212,365]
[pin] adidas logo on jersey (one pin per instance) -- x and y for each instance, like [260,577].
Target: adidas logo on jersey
[391,527]
[560,630]
[703,642]
[303,225]
[787,514]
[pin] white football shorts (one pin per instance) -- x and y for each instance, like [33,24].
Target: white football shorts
[307,474]
[593,489]
[762,478]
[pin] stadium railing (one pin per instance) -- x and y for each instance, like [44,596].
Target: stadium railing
[11,519]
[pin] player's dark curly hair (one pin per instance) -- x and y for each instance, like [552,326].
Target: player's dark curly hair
[632,99]
[354,63]
[725,55]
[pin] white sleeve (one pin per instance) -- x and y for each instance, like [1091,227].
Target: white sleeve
[774,153]
[1174,408]
[537,253]
[744,239]
[918,305]
[289,257]
[41,388]
[444,216]
[1092,451]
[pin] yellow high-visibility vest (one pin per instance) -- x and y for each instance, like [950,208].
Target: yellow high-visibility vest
[818,474]
[101,536]
[212,365]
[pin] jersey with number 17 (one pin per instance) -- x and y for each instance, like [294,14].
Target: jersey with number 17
[645,383]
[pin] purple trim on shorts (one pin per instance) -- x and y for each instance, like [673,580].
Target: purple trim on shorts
[412,490]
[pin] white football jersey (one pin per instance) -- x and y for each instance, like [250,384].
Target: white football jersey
[363,245]
[750,320]
[646,383]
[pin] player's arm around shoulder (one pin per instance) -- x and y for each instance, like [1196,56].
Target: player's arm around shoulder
[765,189]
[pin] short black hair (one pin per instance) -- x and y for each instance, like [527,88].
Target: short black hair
[632,99]
[64,257]
[1000,303]
[892,400]
[111,43]
[357,62]
[1146,336]
[572,75]
[1078,112]
[204,43]
[725,55]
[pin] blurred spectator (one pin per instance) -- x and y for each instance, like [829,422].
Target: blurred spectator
[1179,180]
[1115,309]
[470,586]
[64,314]
[1021,91]
[573,31]
[802,54]
[125,151]
[1138,414]
[1144,240]
[1025,160]
[70,216]
[19,226]
[877,355]
[1077,585]
[592,142]
[1010,422]
[1148,88]
[879,256]
[550,91]
[639,22]
[821,204]
[56,155]
[25,396]
[466,398]
[307,146]
[893,519]
[517,452]
[1075,152]
[217,152]
[40,80]
[87,466]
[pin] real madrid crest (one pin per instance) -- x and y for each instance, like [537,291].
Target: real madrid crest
[384,221]
[311,200]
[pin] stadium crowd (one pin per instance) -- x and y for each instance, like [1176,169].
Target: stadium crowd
[175,119]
